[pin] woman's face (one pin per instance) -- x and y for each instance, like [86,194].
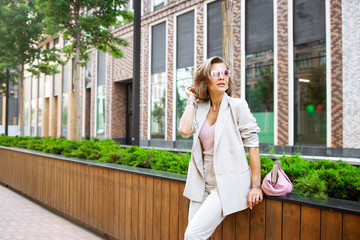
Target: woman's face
[219,79]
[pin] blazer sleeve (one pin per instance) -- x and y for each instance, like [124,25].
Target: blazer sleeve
[247,125]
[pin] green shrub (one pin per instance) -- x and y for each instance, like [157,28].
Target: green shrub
[320,179]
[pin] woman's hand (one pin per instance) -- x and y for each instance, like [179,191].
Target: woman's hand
[190,93]
[255,197]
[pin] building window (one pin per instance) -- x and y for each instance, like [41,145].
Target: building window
[41,94]
[259,65]
[158,81]
[27,106]
[158,4]
[310,72]
[249,70]
[64,102]
[88,72]
[214,29]
[310,94]
[185,44]
[100,103]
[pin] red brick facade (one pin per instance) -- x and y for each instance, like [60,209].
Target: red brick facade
[336,75]
[283,72]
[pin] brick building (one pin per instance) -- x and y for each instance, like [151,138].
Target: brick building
[296,63]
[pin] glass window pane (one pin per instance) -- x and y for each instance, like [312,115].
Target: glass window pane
[100,112]
[158,95]
[64,115]
[33,117]
[184,79]
[40,107]
[310,93]
[260,92]
[88,72]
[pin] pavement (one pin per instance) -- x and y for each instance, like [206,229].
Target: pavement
[21,218]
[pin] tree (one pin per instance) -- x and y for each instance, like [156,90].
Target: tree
[21,29]
[84,24]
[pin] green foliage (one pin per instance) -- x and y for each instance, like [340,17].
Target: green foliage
[320,179]
[85,24]
[21,29]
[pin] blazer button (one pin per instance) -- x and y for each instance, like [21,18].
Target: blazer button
[231,150]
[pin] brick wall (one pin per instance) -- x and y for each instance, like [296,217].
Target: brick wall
[351,70]
[118,110]
[336,74]
[122,68]
[170,78]
[144,89]
[199,34]
[282,26]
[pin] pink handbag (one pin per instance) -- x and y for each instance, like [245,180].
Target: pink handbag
[277,184]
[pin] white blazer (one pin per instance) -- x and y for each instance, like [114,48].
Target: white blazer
[235,128]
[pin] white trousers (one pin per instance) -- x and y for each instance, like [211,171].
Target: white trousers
[204,217]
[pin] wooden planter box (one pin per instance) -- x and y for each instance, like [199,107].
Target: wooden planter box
[124,202]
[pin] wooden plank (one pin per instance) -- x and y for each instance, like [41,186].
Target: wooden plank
[134,205]
[149,207]
[183,211]
[67,187]
[229,227]
[110,201]
[243,225]
[128,206]
[174,210]
[103,213]
[142,207]
[291,221]
[122,209]
[117,197]
[257,222]
[351,227]
[73,188]
[157,209]
[310,223]
[331,225]
[165,209]
[96,196]
[218,233]
[273,219]
[89,214]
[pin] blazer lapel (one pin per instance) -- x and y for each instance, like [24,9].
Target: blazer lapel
[221,120]
[201,114]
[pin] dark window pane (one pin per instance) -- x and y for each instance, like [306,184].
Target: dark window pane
[309,21]
[259,26]
[185,40]
[214,29]
[158,48]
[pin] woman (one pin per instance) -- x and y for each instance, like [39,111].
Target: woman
[219,180]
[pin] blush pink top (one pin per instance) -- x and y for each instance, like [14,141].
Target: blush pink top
[206,136]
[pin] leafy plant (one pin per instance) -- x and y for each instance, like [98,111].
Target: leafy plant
[319,179]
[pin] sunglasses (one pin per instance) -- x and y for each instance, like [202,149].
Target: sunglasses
[216,73]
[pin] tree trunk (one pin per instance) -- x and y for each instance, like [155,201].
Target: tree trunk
[228,39]
[76,78]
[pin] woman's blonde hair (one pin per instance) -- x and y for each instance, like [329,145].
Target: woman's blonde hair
[202,76]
